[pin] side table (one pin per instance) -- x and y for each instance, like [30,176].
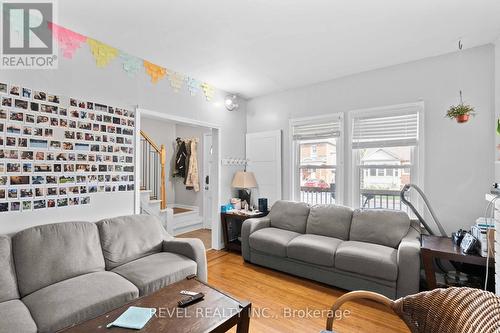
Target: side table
[231,228]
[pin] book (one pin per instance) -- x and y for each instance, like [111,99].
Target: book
[134,318]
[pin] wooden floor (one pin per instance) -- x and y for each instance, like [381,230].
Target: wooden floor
[276,294]
[204,234]
[178,210]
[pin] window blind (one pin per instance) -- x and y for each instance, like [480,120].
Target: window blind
[399,128]
[323,130]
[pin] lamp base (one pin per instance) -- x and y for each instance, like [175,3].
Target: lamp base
[244,195]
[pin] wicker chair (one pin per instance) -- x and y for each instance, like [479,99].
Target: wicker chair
[451,310]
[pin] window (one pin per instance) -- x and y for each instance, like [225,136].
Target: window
[385,155]
[317,147]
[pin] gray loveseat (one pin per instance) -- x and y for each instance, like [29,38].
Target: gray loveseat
[56,275]
[377,250]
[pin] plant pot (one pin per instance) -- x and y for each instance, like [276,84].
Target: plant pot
[463,118]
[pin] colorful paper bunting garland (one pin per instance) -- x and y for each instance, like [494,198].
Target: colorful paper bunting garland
[208,90]
[176,80]
[102,53]
[130,64]
[154,71]
[68,40]
[193,86]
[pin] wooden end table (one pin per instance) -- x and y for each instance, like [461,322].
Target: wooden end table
[216,313]
[443,248]
[231,228]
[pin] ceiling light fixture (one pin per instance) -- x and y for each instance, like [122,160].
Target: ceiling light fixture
[231,102]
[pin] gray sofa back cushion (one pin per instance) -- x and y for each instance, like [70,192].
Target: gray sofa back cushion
[8,284]
[289,215]
[329,220]
[379,226]
[126,238]
[50,253]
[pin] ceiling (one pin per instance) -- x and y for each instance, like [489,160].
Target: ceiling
[257,47]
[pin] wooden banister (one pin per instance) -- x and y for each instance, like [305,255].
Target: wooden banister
[162,154]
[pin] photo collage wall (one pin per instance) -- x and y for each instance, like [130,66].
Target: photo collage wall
[57,151]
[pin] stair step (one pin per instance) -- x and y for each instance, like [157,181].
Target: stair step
[154,201]
[146,191]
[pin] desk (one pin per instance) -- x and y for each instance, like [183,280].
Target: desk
[443,248]
[231,229]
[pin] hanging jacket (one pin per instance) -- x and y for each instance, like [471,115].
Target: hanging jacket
[180,169]
[192,177]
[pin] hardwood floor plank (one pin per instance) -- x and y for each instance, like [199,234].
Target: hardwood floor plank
[275,296]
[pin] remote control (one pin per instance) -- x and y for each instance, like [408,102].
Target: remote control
[187,292]
[190,300]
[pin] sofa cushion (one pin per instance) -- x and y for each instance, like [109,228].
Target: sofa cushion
[313,249]
[8,283]
[78,299]
[126,238]
[156,271]
[15,317]
[289,215]
[272,240]
[329,220]
[379,226]
[50,253]
[373,260]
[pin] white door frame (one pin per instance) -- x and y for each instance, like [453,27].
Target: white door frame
[207,193]
[216,142]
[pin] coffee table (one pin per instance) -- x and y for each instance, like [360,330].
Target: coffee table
[216,313]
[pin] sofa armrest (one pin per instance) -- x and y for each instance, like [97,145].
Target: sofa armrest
[409,262]
[192,248]
[250,226]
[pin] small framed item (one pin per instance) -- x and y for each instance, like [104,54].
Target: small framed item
[468,244]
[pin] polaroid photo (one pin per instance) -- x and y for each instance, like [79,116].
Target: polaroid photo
[51,203]
[39,192]
[26,205]
[57,167]
[81,105]
[3,180]
[48,108]
[27,167]
[3,88]
[34,106]
[22,142]
[81,179]
[66,179]
[2,141]
[15,90]
[42,120]
[92,189]
[12,193]
[50,156]
[62,191]
[27,130]
[21,104]
[69,168]
[37,180]
[51,191]
[38,131]
[26,193]
[4,207]
[13,167]
[39,95]
[10,141]
[43,168]
[53,99]
[63,202]
[48,133]
[29,118]
[27,155]
[73,190]
[62,157]
[3,193]
[26,93]
[2,127]
[3,114]
[83,189]
[51,179]
[74,201]
[16,116]
[7,101]
[73,102]
[71,157]
[70,135]
[13,129]
[85,200]
[63,122]
[40,156]
[100,107]
[90,105]
[36,143]
[39,204]
[67,145]
[19,180]
[63,112]
[15,206]
[12,154]
[54,121]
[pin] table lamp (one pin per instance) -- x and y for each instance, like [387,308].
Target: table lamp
[244,181]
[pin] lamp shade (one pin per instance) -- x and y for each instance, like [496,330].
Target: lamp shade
[244,179]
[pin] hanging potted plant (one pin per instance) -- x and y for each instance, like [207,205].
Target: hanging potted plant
[461,112]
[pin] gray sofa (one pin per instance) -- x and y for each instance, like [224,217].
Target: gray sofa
[56,275]
[377,250]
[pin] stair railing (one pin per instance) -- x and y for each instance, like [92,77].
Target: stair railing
[153,158]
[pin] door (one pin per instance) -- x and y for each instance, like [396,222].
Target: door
[206,181]
[263,152]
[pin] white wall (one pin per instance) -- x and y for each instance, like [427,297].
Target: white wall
[459,158]
[497,108]
[182,195]
[80,78]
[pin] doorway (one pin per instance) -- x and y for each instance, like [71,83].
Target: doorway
[191,211]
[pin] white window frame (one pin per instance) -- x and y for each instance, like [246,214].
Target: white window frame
[417,155]
[294,156]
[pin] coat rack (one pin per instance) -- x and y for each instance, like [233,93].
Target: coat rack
[232,161]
